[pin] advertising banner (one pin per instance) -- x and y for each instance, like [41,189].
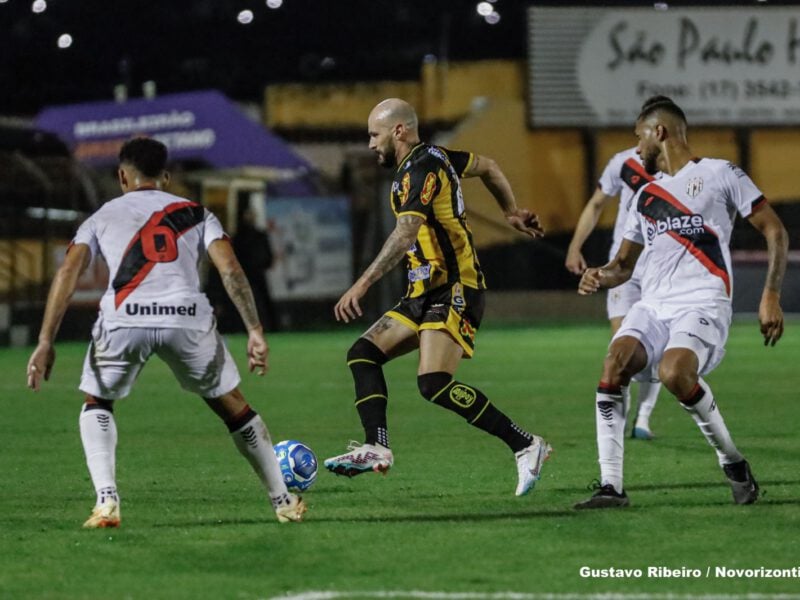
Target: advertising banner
[312,247]
[724,66]
[201,125]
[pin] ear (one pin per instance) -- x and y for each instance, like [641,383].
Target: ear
[661,133]
[123,180]
[399,131]
[165,179]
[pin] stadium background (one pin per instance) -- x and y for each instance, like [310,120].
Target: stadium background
[305,74]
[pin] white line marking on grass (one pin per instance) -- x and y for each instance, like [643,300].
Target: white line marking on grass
[422,595]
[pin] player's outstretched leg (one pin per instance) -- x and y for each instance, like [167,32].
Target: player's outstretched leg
[530,451]
[251,437]
[99,438]
[365,361]
[704,410]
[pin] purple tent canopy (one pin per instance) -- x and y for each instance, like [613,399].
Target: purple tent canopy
[201,125]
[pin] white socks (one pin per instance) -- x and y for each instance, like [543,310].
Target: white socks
[646,402]
[610,416]
[99,437]
[253,441]
[708,418]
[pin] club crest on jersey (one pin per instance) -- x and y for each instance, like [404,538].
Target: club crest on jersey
[694,187]
[405,188]
[428,188]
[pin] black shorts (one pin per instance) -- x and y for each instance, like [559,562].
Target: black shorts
[455,309]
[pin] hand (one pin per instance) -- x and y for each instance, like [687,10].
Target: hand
[40,364]
[525,222]
[347,308]
[257,352]
[575,262]
[590,282]
[770,317]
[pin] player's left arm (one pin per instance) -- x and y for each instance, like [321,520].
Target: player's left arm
[43,357]
[770,314]
[497,183]
[395,247]
[234,280]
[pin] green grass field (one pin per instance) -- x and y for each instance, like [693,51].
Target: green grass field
[196,523]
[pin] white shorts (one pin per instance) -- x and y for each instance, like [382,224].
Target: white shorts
[199,360]
[701,329]
[620,299]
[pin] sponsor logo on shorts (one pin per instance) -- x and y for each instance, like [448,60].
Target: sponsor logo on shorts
[421,272]
[428,188]
[458,296]
[462,395]
[467,330]
[133,309]
[685,225]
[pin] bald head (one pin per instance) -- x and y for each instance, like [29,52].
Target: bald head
[394,111]
[393,130]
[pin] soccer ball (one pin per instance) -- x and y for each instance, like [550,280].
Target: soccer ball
[298,464]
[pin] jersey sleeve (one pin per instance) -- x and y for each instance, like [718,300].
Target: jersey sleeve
[87,234]
[419,186]
[212,229]
[740,191]
[633,224]
[611,178]
[461,161]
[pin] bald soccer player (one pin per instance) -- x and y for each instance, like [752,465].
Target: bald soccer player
[442,309]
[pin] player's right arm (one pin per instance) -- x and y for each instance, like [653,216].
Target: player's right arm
[616,272]
[575,262]
[43,357]
[493,178]
[238,289]
[394,248]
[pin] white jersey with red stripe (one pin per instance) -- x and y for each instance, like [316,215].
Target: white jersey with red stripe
[685,223]
[152,242]
[623,176]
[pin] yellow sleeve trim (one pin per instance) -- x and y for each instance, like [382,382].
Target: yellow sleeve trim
[469,163]
[413,212]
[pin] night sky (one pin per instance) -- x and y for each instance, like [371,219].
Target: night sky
[200,44]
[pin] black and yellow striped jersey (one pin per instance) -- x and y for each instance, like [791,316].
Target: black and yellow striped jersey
[428,184]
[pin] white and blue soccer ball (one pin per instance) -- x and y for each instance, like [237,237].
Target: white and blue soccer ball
[298,464]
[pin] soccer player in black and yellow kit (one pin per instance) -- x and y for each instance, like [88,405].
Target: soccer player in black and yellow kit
[441,311]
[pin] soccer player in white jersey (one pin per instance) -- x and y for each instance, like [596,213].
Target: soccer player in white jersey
[621,178]
[151,242]
[679,228]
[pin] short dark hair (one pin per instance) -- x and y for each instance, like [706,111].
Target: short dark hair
[146,155]
[664,103]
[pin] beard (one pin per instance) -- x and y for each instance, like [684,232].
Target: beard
[388,159]
[649,163]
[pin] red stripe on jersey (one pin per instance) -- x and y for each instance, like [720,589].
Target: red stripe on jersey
[703,258]
[129,287]
[667,197]
[637,166]
[758,204]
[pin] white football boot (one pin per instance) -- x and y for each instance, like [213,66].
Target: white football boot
[529,464]
[361,458]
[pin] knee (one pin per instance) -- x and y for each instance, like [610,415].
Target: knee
[363,352]
[680,381]
[430,384]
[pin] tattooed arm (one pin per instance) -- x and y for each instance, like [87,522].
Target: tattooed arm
[395,247]
[770,314]
[238,288]
[497,183]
